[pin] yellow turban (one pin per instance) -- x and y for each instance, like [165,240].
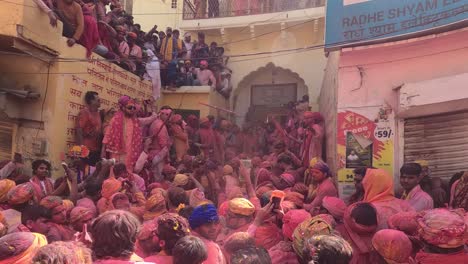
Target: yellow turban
[5,186]
[180,180]
[241,206]
[68,204]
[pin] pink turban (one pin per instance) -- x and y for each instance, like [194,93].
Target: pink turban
[288,178]
[124,100]
[263,175]
[292,219]
[335,206]
[404,221]
[393,245]
[296,198]
[267,235]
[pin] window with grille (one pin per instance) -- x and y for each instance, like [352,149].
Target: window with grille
[174,4]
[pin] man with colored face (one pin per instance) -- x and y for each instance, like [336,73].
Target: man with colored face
[89,127]
[204,221]
[123,139]
[410,176]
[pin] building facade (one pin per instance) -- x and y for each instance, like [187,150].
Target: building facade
[43,84]
[274,48]
[394,87]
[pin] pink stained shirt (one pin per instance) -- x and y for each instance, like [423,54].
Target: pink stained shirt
[158,259]
[419,199]
[215,254]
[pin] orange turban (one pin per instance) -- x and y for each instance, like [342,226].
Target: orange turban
[20,194]
[155,206]
[404,221]
[110,187]
[378,186]
[241,206]
[50,202]
[68,205]
[5,186]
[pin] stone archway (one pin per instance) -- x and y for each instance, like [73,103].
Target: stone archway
[275,82]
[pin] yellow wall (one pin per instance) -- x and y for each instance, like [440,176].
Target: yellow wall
[148,13]
[62,85]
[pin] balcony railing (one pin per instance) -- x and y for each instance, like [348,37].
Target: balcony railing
[201,9]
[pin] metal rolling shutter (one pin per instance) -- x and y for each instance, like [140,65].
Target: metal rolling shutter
[442,140]
[6,140]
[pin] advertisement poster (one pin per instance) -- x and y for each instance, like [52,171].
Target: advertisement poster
[365,139]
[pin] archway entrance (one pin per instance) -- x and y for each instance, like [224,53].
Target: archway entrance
[266,92]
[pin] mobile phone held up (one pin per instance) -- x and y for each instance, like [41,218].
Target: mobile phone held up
[277,197]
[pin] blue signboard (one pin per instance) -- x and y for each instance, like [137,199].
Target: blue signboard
[356,22]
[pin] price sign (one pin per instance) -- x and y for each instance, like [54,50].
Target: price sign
[383,133]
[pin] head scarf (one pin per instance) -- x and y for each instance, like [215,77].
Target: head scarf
[335,206]
[203,214]
[223,208]
[267,235]
[266,187]
[443,228]
[204,62]
[288,178]
[227,170]
[393,245]
[155,206]
[360,235]
[180,180]
[20,247]
[307,229]
[292,219]
[296,198]
[78,213]
[266,164]
[110,187]
[404,221]
[288,206]
[5,186]
[20,194]
[50,202]
[378,186]
[241,206]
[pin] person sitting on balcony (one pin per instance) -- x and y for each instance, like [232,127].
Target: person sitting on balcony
[205,76]
[136,54]
[73,21]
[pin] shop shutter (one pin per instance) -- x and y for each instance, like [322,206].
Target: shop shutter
[6,140]
[442,140]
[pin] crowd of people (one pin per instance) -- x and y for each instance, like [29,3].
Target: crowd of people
[154,188]
[163,57]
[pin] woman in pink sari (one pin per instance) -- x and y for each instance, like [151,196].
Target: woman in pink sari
[378,190]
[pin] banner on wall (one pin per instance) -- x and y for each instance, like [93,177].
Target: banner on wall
[365,139]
